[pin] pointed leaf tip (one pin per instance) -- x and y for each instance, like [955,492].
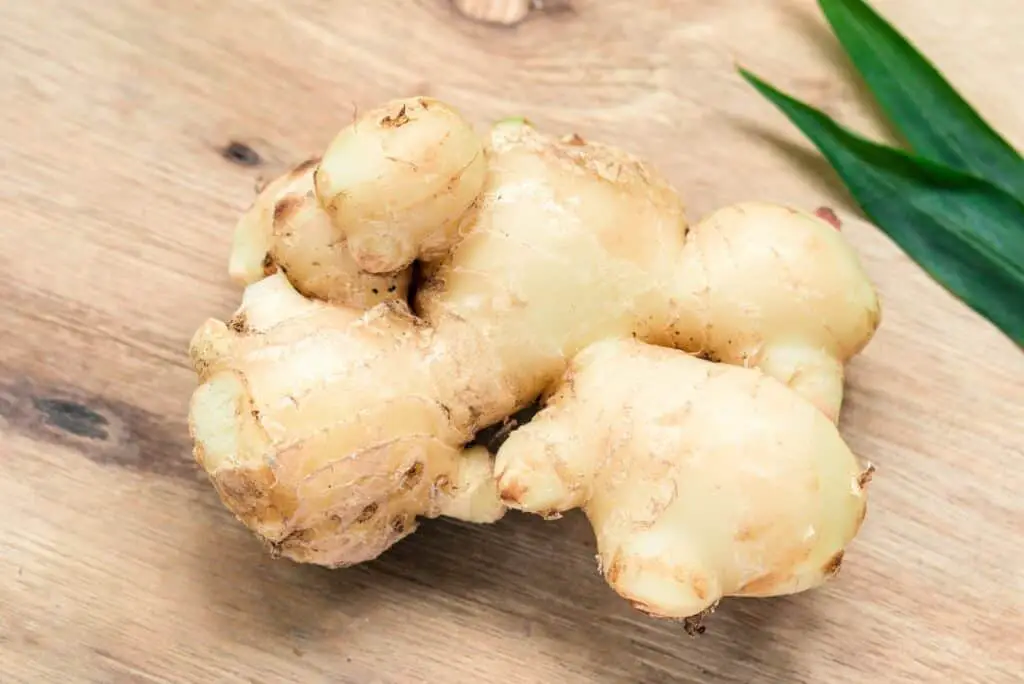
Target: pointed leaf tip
[965,232]
[932,116]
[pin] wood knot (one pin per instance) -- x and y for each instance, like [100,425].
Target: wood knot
[239,153]
[72,417]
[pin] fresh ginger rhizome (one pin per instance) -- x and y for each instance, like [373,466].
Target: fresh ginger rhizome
[691,375]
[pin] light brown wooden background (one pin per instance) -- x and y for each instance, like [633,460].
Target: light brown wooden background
[117,562]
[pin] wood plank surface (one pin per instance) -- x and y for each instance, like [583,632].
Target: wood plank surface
[117,561]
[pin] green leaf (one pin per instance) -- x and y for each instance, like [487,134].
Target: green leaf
[965,232]
[932,117]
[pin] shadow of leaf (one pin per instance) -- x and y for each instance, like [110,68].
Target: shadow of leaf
[808,20]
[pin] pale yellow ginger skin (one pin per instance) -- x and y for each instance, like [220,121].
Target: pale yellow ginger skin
[701,480]
[398,182]
[326,476]
[287,229]
[781,290]
[329,427]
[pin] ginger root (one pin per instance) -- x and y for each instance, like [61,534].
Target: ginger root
[701,480]
[692,375]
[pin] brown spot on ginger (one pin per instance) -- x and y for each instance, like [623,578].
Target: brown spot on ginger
[700,587]
[238,323]
[614,570]
[694,625]
[286,207]
[269,267]
[829,216]
[247,493]
[396,121]
[514,493]
[866,476]
[305,166]
[398,525]
[368,512]
[412,476]
[831,568]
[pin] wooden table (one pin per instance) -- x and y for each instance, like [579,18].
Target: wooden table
[117,561]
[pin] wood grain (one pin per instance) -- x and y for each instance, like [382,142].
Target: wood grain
[133,133]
